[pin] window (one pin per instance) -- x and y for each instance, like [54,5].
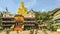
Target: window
[58,21]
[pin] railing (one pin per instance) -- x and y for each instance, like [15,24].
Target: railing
[29,21]
[9,21]
[29,24]
[7,25]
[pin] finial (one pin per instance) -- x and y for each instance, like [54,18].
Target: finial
[6,9]
[22,4]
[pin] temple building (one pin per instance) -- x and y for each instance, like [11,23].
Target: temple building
[56,18]
[24,19]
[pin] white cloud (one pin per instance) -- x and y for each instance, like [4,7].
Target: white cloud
[31,3]
[43,10]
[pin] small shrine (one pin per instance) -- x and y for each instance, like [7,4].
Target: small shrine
[18,22]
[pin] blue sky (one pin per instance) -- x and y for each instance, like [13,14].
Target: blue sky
[38,5]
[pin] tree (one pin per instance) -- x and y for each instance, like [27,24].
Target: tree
[44,16]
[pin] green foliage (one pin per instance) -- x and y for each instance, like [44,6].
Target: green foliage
[42,16]
[11,14]
[55,28]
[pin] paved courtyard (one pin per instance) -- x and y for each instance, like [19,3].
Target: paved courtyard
[28,32]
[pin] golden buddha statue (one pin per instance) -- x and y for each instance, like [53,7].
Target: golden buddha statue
[22,10]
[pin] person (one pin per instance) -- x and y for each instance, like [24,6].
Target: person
[36,31]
